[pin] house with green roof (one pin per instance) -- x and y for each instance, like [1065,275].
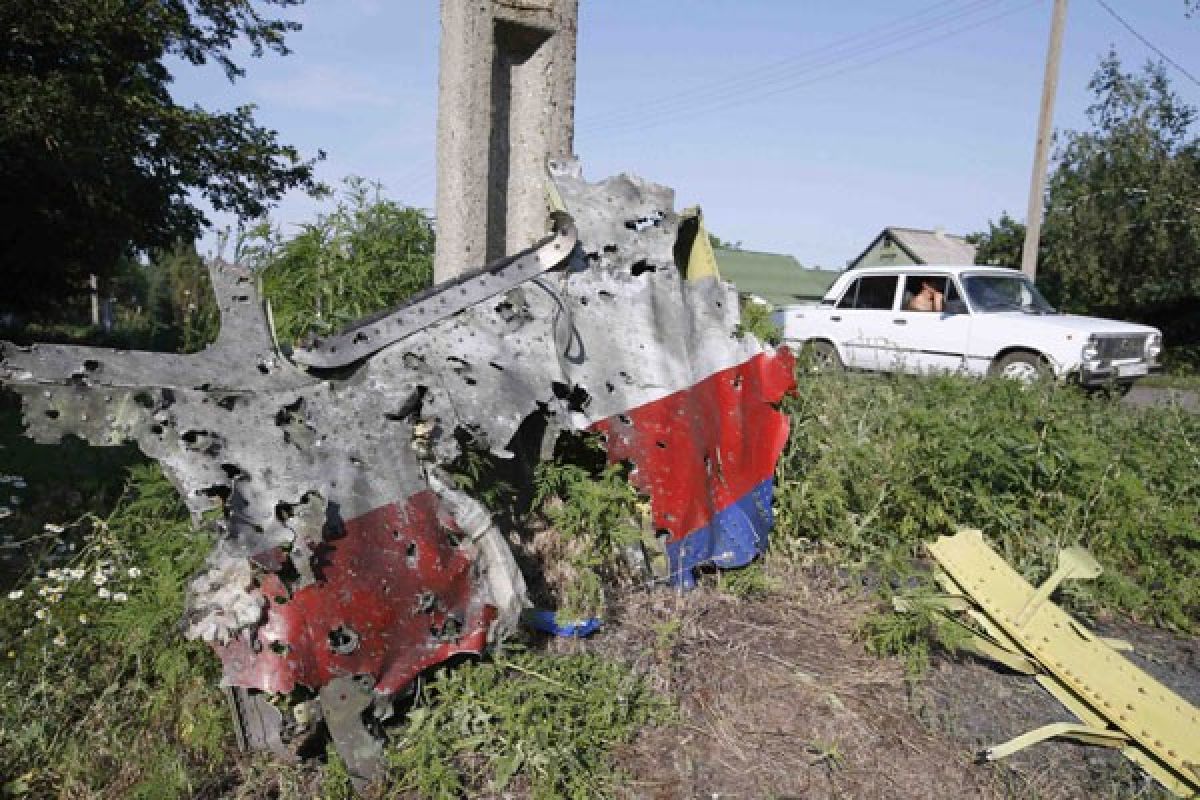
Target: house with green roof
[776,278]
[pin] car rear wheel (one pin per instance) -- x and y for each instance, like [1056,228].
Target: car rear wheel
[1023,367]
[822,357]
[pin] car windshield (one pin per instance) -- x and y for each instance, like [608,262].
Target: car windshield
[990,293]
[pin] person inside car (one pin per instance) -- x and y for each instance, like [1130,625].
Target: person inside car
[927,299]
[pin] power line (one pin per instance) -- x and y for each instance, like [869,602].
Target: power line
[1148,43]
[892,29]
[752,97]
[786,70]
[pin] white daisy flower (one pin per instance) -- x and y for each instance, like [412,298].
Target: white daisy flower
[16,594]
[40,614]
[103,593]
[120,597]
[60,640]
[134,572]
[50,527]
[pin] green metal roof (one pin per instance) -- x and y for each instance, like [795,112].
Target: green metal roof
[777,278]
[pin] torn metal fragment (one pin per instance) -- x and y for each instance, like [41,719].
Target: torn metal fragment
[343,553]
[1118,705]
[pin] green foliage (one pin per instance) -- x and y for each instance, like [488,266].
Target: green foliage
[748,582]
[756,321]
[1123,218]
[874,467]
[912,634]
[97,689]
[1001,244]
[547,722]
[99,161]
[596,511]
[367,255]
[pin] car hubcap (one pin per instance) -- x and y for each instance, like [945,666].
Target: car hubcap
[1021,371]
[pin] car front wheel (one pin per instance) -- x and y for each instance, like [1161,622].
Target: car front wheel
[1023,367]
[822,357]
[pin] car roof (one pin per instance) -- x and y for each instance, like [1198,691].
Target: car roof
[953,269]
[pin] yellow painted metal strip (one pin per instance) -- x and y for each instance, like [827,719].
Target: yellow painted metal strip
[1164,726]
[1057,730]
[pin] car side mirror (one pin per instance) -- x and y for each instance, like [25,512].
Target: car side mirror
[954,307]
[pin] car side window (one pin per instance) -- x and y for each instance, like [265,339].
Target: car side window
[954,301]
[850,295]
[876,292]
[925,293]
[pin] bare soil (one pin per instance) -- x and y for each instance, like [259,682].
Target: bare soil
[779,699]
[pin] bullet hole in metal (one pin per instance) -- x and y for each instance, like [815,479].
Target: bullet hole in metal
[640,267]
[427,603]
[343,640]
[52,413]
[411,409]
[279,648]
[234,472]
[410,555]
[450,629]
[575,397]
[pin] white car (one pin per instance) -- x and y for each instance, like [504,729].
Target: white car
[992,321]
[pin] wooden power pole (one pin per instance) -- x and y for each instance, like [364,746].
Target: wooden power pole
[1041,149]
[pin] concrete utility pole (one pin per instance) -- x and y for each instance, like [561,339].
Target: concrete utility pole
[506,103]
[1041,149]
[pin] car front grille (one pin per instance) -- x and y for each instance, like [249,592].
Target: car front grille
[1115,348]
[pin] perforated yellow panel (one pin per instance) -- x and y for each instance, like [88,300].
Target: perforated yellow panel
[1164,728]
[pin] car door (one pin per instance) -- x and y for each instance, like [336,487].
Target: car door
[863,315]
[930,337]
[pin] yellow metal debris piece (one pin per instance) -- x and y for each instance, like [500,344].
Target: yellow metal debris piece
[1117,703]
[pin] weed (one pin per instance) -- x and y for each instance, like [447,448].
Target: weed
[598,512]
[549,722]
[97,690]
[748,582]
[877,466]
[911,635]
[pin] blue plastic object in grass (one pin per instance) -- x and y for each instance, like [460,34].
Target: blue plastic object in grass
[548,622]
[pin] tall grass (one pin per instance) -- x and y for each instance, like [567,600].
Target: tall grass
[876,466]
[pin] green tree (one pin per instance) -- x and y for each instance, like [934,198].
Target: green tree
[99,161]
[368,254]
[1000,245]
[1122,225]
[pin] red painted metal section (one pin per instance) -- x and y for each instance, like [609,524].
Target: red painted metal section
[393,581]
[701,449]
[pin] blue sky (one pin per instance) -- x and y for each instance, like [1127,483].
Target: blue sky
[801,126]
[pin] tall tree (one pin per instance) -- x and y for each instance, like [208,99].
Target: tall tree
[1123,213]
[1000,245]
[97,160]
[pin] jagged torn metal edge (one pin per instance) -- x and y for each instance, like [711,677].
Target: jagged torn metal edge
[343,550]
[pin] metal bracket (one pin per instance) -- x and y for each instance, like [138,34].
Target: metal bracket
[374,333]
[1117,703]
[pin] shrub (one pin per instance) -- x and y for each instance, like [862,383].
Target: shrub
[876,466]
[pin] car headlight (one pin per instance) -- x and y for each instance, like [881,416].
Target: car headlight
[1091,349]
[1153,345]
